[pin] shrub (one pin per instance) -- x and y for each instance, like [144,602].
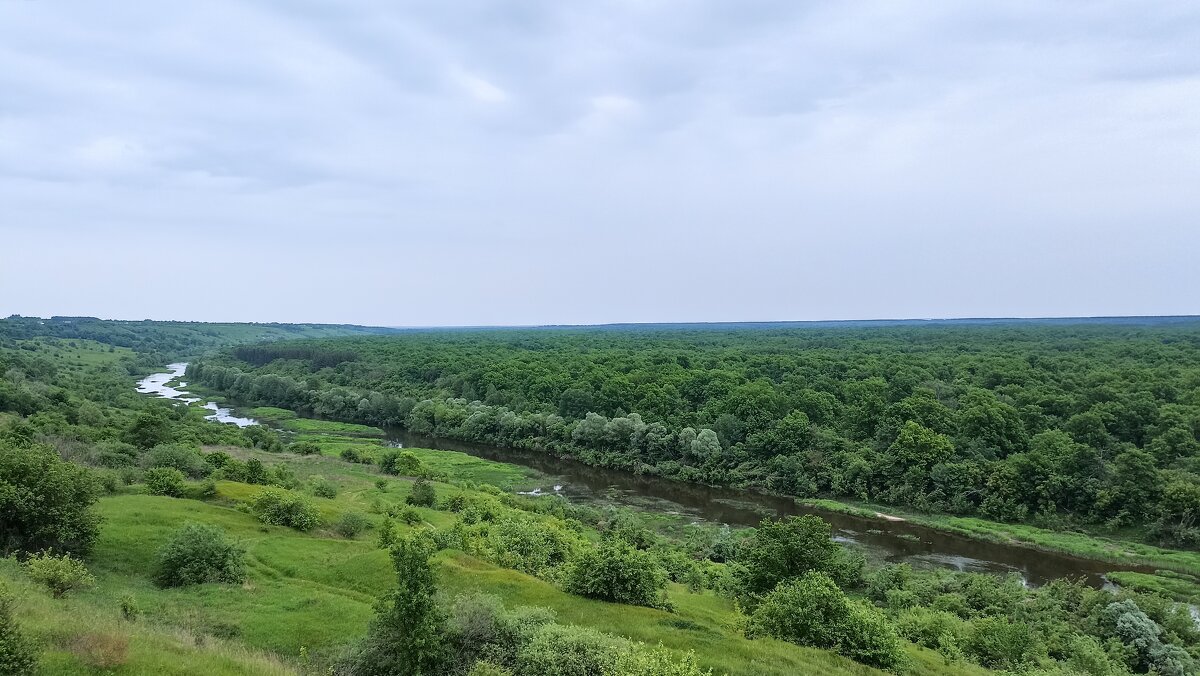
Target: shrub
[18,655]
[59,574]
[198,553]
[183,458]
[284,508]
[305,448]
[561,650]
[409,516]
[45,503]
[130,610]
[164,481]
[351,524]
[403,463]
[422,494]
[101,651]
[615,571]
[324,488]
[812,611]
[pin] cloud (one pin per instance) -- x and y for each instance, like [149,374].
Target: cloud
[534,162]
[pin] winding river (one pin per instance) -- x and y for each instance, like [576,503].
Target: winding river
[881,539]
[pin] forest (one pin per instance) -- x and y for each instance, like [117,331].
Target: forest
[1060,425]
[140,537]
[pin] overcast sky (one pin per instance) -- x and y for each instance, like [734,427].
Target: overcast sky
[437,163]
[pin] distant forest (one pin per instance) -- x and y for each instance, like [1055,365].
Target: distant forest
[1054,422]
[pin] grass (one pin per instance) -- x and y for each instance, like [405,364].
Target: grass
[312,426]
[1083,545]
[1176,586]
[313,592]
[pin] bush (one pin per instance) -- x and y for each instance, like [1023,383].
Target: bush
[561,650]
[45,503]
[165,481]
[187,460]
[18,655]
[197,554]
[422,494]
[402,463]
[284,508]
[351,524]
[812,611]
[59,574]
[615,571]
[305,448]
[324,488]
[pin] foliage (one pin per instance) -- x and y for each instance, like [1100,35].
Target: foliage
[616,572]
[285,508]
[198,554]
[351,524]
[45,503]
[812,611]
[165,481]
[422,494]
[59,574]
[18,654]
[406,635]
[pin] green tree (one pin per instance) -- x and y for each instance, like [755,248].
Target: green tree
[406,636]
[45,503]
[615,571]
[812,611]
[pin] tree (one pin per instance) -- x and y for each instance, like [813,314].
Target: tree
[422,494]
[615,571]
[198,554]
[812,611]
[406,636]
[45,503]
[783,549]
[18,655]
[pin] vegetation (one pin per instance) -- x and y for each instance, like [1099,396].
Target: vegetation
[199,554]
[460,575]
[1055,424]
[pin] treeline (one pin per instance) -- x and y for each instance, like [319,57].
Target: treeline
[319,357]
[1050,424]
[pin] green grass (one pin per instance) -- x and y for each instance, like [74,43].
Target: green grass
[1176,586]
[315,591]
[1083,545]
[309,425]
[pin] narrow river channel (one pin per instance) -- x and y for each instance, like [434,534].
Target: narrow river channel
[881,539]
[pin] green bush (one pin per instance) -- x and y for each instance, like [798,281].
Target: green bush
[812,611]
[59,574]
[165,481]
[422,494]
[197,554]
[183,458]
[18,654]
[45,503]
[351,524]
[284,508]
[615,571]
[402,463]
[324,488]
[304,448]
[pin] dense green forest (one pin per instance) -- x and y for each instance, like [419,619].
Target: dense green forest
[142,538]
[1054,423]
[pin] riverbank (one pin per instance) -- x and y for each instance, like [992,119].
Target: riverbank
[1083,545]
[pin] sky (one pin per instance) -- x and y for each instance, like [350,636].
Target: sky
[473,163]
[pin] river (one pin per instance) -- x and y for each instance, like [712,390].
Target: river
[881,539]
